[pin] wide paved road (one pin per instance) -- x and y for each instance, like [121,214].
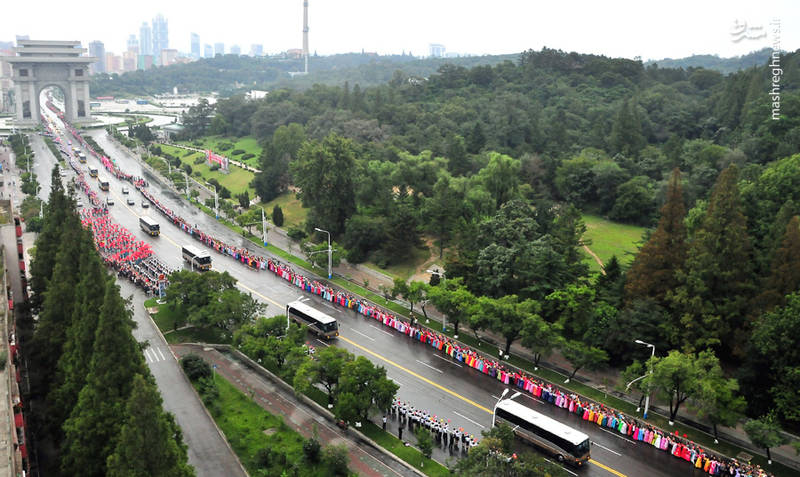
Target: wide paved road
[426,379]
[207,450]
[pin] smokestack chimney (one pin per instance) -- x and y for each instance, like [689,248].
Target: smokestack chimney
[305,32]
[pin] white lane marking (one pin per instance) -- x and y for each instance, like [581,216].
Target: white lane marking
[470,420]
[362,334]
[618,436]
[606,448]
[382,331]
[571,472]
[428,365]
[331,308]
[322,342]
[449,361]
[161,354]
[147,356]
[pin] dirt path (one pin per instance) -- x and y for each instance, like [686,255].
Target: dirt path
[420,274]
[596,259]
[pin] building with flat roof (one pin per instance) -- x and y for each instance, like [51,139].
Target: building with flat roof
[256,50]
[168,57]
[219,49]
[145,39]
[98,50]
[195,45]
[437,50]
[208,51]
[160,35]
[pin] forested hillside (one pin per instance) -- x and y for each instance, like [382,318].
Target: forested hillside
[230,73]
[714,62]
[495,163]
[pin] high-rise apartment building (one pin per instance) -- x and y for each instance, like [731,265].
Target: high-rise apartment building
[160,35]
[219,49]
[437,50]
[98,50]
[168,57]
[235,50]
[195,45]
[208,51]
[133,44]
[145,39]
[256,50]
[129,59]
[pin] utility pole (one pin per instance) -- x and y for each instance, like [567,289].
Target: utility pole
[264,226]
[330,251]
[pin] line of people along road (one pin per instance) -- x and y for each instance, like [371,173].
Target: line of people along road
[631,427]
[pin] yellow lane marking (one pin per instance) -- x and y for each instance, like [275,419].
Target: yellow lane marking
[422,378]
[259,294]
[605,467]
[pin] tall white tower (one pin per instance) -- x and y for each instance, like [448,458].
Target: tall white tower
[305,33]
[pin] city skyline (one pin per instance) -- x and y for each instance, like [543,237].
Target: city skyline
[356,25]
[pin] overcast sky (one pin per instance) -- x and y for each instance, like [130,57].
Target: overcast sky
[620,29]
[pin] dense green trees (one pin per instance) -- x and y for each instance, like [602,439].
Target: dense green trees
[324,173]
[90,387]
[210,299]
[716,282]
[135,455]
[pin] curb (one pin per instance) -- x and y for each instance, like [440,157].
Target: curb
[304,399]
[186,379]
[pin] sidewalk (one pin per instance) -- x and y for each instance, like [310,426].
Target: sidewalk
[364,460]
[601,380]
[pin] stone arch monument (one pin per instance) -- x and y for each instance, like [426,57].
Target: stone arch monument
[41,64]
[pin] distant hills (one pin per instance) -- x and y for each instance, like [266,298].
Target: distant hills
[714,62]
[229,74]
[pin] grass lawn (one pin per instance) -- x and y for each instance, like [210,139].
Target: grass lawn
[249,428]
[237,180]
[165,320]
[610,238]
[412,455]
[406,269]
[248,143]
[293,212]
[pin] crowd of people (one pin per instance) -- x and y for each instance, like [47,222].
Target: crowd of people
[454,438]
[678,446]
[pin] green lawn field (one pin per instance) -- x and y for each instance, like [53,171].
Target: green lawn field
[237,180]
[610,238]
[247,143]
[293,212]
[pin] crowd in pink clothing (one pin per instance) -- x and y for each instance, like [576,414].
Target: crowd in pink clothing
[613,420]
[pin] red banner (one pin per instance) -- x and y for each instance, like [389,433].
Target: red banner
[221,160]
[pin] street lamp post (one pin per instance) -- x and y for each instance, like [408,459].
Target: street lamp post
[444,317]
[330,251]
[505,391]
[647,398]
[216,200]
[264,226]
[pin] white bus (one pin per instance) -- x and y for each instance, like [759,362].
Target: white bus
[149,225]
[197,259]
[318,322]
[563,442]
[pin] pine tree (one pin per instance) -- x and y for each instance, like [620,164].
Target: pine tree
[57,306]
[626,133]
[73,366]
[277,215]
[716,281]
[785,271]
[652,273]
[50,239]
[150,444]
[92,430]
